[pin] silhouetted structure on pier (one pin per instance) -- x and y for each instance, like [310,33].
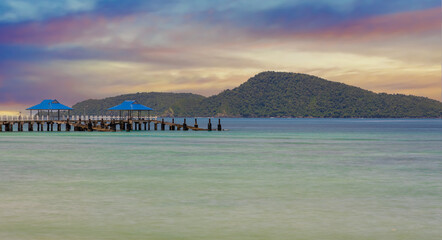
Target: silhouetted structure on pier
[50,105]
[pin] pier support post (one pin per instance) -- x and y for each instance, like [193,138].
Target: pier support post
[58,127]
[172,127]
[209,125]
[196,123]
[144,123]
[52,126]
[219,125]
[30,126]
[163,126]
[129,126]
[20,126]
[155,126]
[7,127]
[113,126]
[185,128]
[47,127]
[67,126]
[1,127]
[89,126]
[148,125]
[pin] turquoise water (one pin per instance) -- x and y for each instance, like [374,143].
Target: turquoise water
[263,179]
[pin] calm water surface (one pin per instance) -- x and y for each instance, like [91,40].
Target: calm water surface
[263,179]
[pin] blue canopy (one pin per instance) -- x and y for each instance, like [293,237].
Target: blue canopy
[131,105]
[49,104]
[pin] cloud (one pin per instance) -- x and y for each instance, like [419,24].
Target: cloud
[386,26]
[304,16]
[56,31]
[28,89]
[117,47]
[30,10]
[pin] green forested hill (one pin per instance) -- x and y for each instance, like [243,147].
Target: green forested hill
[166,104]
[279,94]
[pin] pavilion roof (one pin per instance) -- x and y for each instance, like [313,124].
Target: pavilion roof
[130,105]
[49,104]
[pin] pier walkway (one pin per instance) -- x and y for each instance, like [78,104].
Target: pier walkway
[96,123]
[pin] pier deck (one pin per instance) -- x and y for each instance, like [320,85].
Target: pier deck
[107,124]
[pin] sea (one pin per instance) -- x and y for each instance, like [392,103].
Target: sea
[261,179]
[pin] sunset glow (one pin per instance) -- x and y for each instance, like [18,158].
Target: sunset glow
[74,50]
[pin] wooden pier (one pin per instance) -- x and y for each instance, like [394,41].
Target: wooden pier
[95,123]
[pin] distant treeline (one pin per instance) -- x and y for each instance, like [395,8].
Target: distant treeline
[278,94]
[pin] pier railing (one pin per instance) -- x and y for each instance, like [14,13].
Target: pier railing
[72,117]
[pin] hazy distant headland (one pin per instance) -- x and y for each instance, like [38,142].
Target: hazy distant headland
[278,94]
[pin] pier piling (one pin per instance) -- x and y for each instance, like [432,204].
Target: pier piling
[89,125]
[172,126]
[219,125]
[185,128]
[163,126]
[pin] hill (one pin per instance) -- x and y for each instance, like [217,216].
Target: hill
[168,104]
[279,94]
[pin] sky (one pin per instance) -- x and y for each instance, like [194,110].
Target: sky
[72,50]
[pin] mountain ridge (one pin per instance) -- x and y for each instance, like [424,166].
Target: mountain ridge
[279,94]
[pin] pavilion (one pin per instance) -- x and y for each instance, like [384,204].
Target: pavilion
[130,106]
[50,105]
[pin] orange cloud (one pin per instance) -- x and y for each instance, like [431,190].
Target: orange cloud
[384,26]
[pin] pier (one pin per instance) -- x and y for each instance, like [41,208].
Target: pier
[46,121]
[97,123]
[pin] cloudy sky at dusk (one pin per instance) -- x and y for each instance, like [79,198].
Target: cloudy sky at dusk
[72,50]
